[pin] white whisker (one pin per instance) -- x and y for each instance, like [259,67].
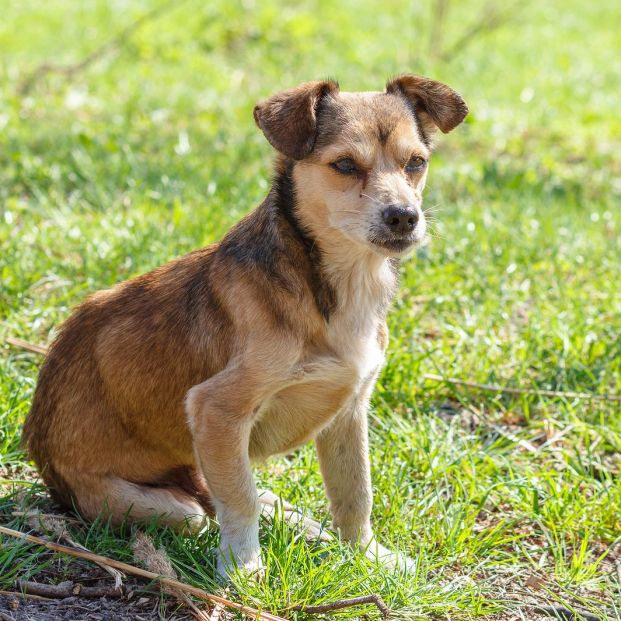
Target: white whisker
[375,200]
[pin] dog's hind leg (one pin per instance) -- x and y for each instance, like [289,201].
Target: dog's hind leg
[118,499]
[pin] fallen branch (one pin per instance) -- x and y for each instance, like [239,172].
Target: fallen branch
[57,526]
[54,516]
[137,571]
[346,603]
[24,595]
[69,70]
[66,589]
[522,391]
[490,18]
[37,349]
[559,612]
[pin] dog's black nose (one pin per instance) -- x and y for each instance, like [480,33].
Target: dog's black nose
[400,219]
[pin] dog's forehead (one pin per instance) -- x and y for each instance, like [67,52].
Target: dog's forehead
[364,114]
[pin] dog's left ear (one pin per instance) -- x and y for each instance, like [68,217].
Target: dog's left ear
[435,104]
[289,119]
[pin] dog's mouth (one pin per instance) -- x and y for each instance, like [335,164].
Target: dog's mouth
[394,245]
[399,244]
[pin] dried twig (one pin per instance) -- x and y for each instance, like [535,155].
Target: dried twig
[559,612]
[347,603]
[66,589]
[137,571]
[23,595]
[70,70]
[57,526]
[523,391]
[490,18]
[55,516]
[438,20]
[37,349]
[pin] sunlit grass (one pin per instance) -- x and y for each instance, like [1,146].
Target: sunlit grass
[502,500]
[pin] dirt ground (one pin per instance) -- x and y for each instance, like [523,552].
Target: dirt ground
[139,601]
[16,608]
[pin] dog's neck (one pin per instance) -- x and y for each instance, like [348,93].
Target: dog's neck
[364,281]
[346,279]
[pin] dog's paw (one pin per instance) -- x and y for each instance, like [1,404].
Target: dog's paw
[394,560]
[240,559]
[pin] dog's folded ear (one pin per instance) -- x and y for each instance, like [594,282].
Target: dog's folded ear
[289,119]
[436,105]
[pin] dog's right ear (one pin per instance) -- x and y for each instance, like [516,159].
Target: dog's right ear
[289,119]
[435,104]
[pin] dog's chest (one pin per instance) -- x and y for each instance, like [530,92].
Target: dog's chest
[326,381]
[323,386]
[355,344]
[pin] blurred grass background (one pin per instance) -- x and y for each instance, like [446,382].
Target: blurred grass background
[151,150]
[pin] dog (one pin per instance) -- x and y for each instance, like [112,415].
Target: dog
[158,394]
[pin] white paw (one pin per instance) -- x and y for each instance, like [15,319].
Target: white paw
[395,560]
[228,564]
[243,554]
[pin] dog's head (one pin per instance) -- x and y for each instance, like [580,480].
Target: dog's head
[361,159]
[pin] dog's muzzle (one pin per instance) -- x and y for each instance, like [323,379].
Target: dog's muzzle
[397,230]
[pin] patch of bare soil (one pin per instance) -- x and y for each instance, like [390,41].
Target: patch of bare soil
[138,600]
[16,608]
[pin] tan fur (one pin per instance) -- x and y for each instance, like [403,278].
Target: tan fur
[157,394]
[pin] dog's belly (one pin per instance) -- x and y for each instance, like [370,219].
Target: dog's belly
[294,416]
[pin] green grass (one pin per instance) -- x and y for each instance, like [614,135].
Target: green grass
[520,286]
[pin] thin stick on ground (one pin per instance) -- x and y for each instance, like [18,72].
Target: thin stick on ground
[21,344]
[490,18]
[137,571]
[57,526]
[346,603]
[71,69]
[522,391]
[66,589]
[54,516]
[560,612]
[24,595]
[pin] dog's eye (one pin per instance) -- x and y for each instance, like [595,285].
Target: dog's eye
[416,164]
[346,166]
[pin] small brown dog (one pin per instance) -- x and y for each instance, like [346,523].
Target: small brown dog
[158,393]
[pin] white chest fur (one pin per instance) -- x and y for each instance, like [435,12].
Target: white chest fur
[330,379]
[363,291]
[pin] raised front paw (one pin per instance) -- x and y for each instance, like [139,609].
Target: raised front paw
[395,560]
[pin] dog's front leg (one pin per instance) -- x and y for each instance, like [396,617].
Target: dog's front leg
[344,461]
[220,417]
